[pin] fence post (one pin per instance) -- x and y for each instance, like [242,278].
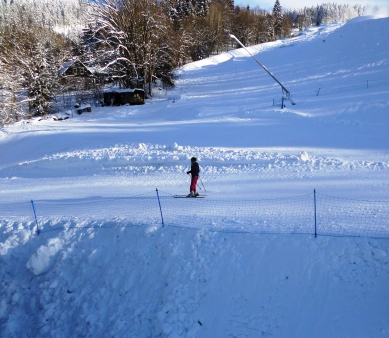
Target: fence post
[160,209]
[36,221]
[314,202]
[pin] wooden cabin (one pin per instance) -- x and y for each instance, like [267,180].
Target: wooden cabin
[75,68]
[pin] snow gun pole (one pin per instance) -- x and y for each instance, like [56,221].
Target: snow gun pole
[284,90]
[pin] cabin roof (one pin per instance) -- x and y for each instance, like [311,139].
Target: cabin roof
[92,70]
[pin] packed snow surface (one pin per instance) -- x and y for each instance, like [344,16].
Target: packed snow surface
[89,276]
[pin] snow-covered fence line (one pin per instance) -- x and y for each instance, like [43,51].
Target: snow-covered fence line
[349,85]
[348,217]
[314,213]
[280,215]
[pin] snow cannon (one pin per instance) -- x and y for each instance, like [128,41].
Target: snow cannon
[285,93]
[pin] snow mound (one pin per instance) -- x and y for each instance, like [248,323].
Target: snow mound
[44,258]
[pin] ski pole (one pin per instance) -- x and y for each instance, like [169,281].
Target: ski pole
[202,184]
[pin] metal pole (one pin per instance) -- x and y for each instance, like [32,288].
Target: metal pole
[36,221]
[202,184]
[314,201]
[288,96]
[160,209]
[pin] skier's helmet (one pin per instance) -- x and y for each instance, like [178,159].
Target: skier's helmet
[193,159]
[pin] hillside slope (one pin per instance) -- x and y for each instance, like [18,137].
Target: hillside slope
[93,276]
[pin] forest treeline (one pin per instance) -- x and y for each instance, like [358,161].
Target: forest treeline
[127,39]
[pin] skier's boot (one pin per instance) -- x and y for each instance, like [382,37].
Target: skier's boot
[196,194]
[191,194]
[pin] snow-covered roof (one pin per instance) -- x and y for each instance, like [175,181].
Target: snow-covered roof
[122,90]
[69,64]
[66,66]
[98,70]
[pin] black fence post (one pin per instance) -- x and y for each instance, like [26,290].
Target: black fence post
[314,202]
[160,208]
[36,221]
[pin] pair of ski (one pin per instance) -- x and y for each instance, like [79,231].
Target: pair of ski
[186,196]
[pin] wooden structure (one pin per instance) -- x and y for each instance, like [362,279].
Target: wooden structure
[75,68]
[119,97]
[75,71]
[82,108]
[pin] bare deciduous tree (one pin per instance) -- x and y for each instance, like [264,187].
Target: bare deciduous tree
[132,35]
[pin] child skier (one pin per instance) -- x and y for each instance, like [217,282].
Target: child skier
[195,171]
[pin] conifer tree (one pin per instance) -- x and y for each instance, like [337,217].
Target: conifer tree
[11,82]
[269,27]
[202,7]
[41,80]
[187,7]
[278,19]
